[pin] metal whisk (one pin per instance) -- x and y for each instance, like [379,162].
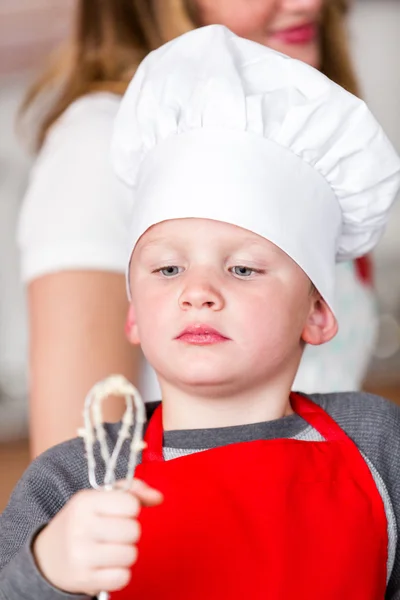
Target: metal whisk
[131,428]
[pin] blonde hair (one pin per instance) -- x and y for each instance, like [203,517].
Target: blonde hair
[111,37]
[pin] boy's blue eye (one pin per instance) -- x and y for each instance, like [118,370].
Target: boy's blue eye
[242,271]
[169,271]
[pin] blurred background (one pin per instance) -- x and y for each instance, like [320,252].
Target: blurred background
[29,30]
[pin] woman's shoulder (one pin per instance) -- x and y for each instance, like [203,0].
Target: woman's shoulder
[75,210]
[95,105]
[93,113]
[74,161]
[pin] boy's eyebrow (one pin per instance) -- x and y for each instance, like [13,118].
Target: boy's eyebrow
[158,241]
[245,244]
[258,245]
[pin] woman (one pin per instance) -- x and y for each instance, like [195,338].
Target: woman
[72,234]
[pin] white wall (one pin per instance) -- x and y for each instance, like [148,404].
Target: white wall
[375,38]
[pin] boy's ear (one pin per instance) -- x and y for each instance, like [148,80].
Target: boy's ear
[321,325]
[131,329]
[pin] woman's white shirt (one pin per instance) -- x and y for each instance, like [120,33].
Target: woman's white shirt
[75,211]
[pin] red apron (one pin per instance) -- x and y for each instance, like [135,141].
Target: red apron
[269,519]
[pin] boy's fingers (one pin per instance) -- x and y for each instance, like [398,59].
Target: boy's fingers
[125,503]
[113,556]
[116,503]
[110,580]
[147,495]
[116,530]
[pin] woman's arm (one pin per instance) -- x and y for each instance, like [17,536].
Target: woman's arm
[76,338]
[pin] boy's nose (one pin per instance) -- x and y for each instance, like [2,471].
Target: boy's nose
[201,294]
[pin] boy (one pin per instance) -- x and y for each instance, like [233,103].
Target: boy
[252,173]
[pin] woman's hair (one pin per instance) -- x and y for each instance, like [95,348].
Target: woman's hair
[111,37]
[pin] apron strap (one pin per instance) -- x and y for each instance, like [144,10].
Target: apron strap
[318,418]
[304,407]
[153,438]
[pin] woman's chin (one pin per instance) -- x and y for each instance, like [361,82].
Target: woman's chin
[307,53]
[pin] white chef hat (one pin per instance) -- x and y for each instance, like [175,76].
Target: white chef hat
[218,127]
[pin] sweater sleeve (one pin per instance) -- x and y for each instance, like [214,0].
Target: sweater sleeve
[42,491]
[373,423]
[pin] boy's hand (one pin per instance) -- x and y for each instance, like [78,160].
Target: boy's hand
[90,544]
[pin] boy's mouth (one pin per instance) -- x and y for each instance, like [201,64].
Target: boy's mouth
[201,335]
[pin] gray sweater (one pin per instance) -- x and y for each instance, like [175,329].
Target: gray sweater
[51,480]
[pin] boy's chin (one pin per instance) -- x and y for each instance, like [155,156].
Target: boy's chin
[204,380]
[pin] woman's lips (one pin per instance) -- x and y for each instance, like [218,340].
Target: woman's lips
[201,335]
[302,34]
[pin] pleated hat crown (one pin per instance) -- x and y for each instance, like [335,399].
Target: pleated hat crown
[218,127]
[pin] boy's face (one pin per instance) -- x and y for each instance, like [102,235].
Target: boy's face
[218,307]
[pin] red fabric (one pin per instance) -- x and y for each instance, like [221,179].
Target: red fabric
[365,269]
[271,520]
